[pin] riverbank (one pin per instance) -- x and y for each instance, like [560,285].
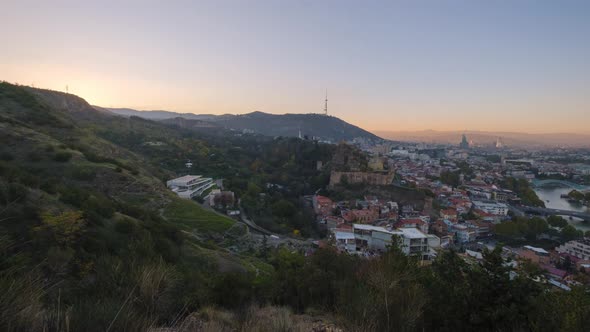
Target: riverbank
[553,200]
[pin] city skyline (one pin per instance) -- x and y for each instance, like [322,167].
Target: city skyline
[447,66]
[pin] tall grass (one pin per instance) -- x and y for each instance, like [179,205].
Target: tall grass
[250,319]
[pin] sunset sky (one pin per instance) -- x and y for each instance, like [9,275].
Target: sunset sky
[388,65]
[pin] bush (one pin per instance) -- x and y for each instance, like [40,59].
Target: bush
[124,226]
[6,156]
[83,173]
[34,156]
[62,156]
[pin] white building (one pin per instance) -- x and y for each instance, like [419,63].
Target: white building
[189,186]
[345,240]
[576,248]
[411,240]
[495,208]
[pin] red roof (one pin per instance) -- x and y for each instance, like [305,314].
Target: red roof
[323,200]
[448,212]
[554,271]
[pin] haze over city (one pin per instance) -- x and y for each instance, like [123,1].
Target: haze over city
[388,66]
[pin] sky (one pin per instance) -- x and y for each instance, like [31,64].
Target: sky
[387,65]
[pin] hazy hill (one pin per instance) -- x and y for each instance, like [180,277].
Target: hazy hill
[155,115]
[288,125]
[489,138]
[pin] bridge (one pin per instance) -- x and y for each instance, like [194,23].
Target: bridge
[558,183]
[548,212]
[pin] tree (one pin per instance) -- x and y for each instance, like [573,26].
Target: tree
[569,233]
[508,229]
[574,194]
[450,178]
[283,209]
[535,227]
[557,221]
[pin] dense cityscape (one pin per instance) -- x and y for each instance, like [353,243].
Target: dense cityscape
[476,197]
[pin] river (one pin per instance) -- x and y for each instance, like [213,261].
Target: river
[553,200]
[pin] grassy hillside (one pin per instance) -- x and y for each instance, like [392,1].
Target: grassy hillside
[86,224]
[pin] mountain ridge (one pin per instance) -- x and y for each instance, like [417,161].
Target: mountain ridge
[328,128]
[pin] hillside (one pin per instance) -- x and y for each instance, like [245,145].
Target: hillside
[327,128]
[90,236]
[85,221]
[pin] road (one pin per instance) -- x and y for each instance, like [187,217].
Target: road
[275,239]
[252,224]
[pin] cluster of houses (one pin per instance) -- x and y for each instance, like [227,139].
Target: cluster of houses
[465,214]
[558,266]
[368,227]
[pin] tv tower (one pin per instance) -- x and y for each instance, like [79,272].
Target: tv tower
[326,104]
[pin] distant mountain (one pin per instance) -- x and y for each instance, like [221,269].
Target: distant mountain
[288,125]
[155,115]
[325,127]
[490,138]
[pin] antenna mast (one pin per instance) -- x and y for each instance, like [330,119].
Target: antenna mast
[326,104]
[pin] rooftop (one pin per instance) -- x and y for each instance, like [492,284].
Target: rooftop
[344,235]
[411,233]
[187,178]
[371,228]
[537,250]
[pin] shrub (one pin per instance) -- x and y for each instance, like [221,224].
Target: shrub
[62,156]
[34,156]
[83,173]
[124,226]
[6,156]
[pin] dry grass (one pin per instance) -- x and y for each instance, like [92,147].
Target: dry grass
[252,319]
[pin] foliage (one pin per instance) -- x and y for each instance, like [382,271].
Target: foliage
[450,178]
[522,188]
[569,233]
[557,221]
[522,227]
[578,196]
[65,228]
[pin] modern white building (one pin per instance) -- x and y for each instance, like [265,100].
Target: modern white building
[189,186]
[410,240]
[495,208]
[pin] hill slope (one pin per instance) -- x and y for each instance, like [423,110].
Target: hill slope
[327,128]
[86,220]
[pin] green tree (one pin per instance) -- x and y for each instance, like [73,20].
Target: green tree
[450,178]
[283,209]
[569,233]
[508,229]
[557,221]
[535,227]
